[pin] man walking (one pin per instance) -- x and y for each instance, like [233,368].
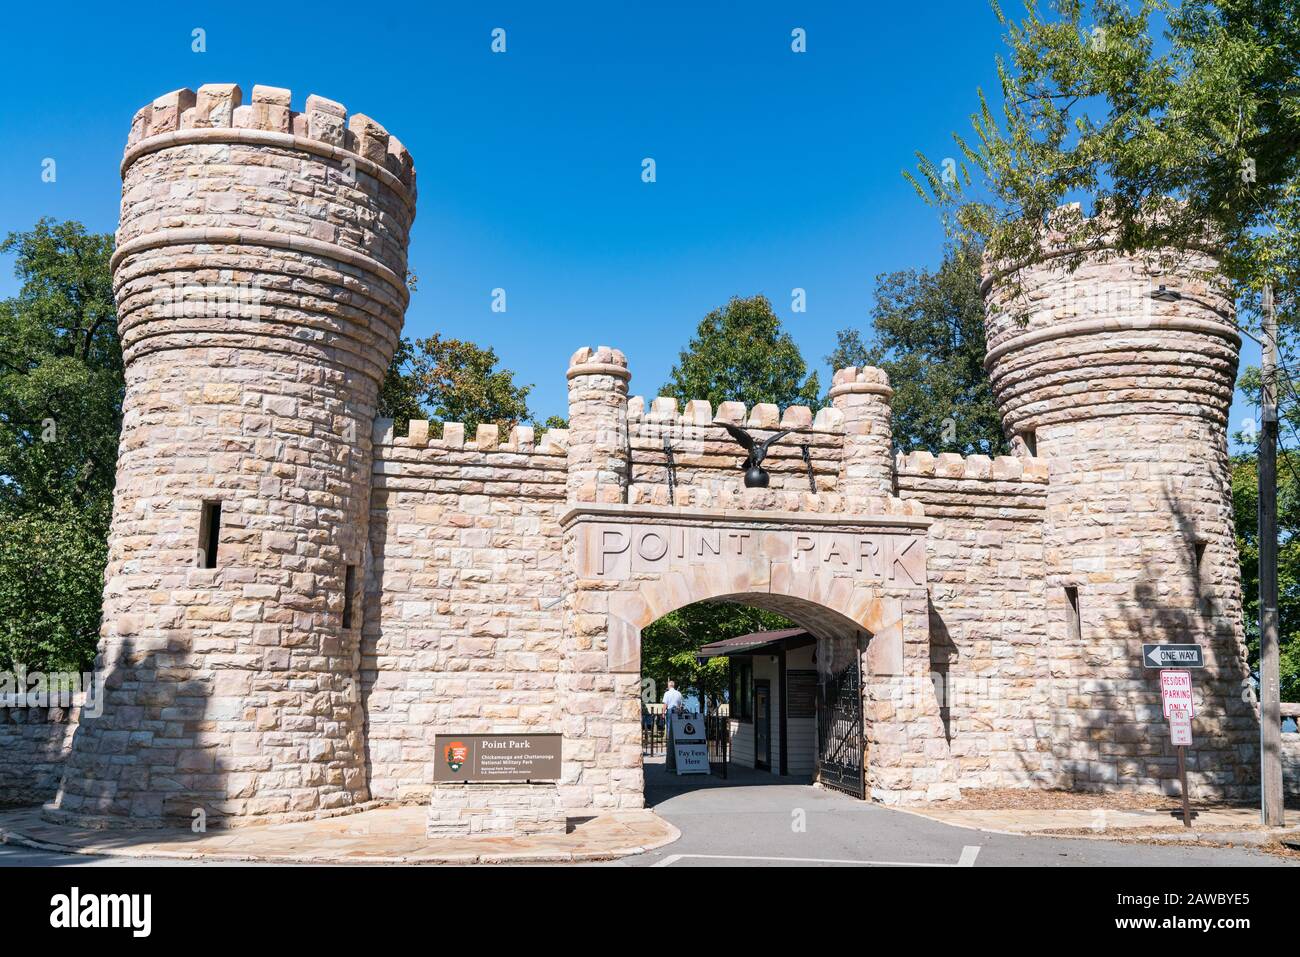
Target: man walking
[672,700]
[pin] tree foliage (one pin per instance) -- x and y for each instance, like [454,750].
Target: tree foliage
[928,336]
[740,353]
[452,380]
[1245,503]
[1180,119]
[61,389]
[669,645]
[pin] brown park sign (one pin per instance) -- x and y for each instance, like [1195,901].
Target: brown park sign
[497,757]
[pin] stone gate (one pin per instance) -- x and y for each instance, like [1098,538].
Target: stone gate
[296,602]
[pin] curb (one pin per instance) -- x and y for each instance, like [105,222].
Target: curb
[8,836]
[1252,838]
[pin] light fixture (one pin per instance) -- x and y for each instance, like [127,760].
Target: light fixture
[1166,295]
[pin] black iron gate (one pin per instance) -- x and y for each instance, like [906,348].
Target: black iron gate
[841,743]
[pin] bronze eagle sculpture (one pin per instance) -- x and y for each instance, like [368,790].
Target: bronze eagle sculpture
[755,475]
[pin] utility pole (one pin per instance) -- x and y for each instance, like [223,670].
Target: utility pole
[1270,700]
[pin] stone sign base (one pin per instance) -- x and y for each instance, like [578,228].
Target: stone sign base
[466,809]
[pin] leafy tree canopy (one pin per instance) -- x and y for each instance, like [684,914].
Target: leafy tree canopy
[1178,118]
[61,389]
[669,645]
[452,380]
[928,336]
[740,353]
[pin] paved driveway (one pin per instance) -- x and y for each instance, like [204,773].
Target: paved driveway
[750,821]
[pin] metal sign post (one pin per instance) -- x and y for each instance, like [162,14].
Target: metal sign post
[1180,733]
[1177,701]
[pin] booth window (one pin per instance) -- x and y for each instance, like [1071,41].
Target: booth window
[742,689]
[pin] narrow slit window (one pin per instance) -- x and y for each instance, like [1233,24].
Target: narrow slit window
[1030,438]
[349,586]
[209,534]
[1199,557]
[1072,609]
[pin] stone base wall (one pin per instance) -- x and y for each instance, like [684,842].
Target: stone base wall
[494,810]
[987,620]
[462,613]
[34,742]
[1291,764]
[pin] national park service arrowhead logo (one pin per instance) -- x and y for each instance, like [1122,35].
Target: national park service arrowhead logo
[456,754]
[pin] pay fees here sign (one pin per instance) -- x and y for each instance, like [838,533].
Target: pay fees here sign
[497,757]
[1176,691]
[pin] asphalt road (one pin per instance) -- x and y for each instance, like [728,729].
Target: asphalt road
[767,825]
[746,823]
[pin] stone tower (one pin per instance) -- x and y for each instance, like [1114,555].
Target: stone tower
[260,279]
[1120,375]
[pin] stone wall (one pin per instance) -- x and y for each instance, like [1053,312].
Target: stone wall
[463,618]
[34,742]
[987,616]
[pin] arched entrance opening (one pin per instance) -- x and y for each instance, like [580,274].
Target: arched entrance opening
[776,685]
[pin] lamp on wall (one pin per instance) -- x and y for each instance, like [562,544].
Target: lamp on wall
[1166,295]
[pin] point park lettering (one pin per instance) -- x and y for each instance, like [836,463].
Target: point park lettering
[621,550]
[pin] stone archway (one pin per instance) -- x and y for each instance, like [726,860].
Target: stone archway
[839,575]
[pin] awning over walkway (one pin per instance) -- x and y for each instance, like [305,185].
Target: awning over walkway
[757,643]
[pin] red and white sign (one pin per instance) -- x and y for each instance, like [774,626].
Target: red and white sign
[1176,691]
[1180,726]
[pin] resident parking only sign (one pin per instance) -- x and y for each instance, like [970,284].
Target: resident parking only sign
[1176,691]
[1172,656]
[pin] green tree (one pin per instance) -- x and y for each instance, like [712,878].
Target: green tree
[1245,502]
[1191,136]
[670,644]
[61,389]
[740,353]
[452,380]
[928,333]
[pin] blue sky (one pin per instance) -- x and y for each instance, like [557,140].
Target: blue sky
[775,170]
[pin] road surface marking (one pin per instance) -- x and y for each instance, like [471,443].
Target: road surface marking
[968,855]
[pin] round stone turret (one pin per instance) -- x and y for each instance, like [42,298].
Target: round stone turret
[260,279]
[1120,374]
[863,395]
[598,467]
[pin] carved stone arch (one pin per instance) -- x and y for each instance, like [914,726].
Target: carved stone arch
[834,608]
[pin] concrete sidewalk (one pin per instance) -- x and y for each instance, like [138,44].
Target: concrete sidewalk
[391,835]
[1214,825]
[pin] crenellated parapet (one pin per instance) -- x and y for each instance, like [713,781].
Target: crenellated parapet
[974,486]
[517,465]
[705,456]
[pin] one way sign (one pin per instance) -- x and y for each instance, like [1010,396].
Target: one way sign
[1172,656]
